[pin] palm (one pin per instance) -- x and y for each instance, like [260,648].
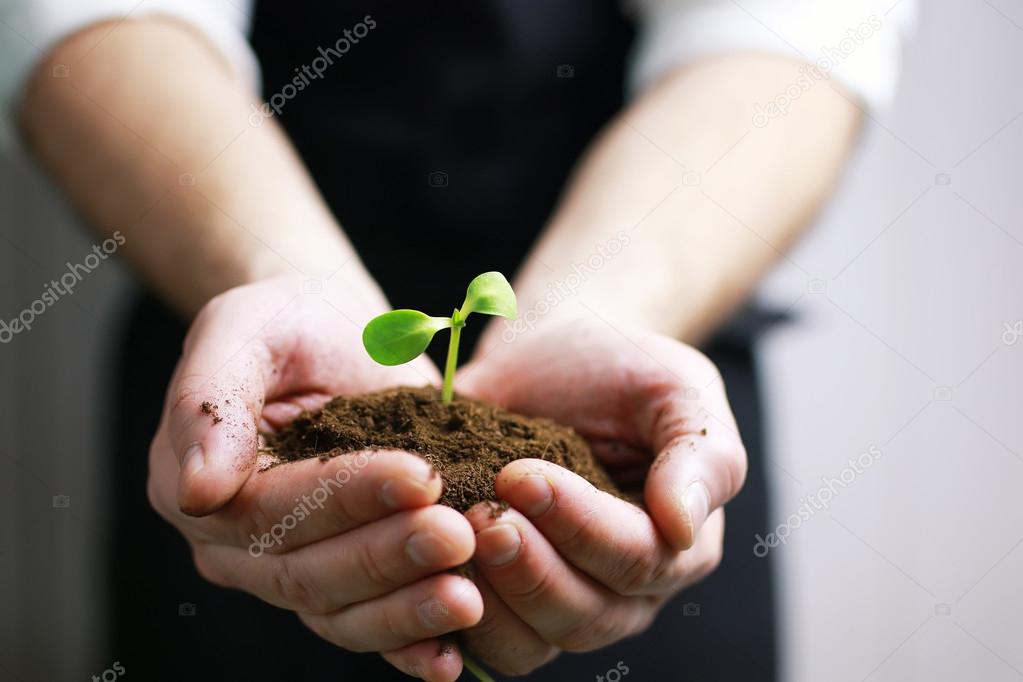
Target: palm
[611,386]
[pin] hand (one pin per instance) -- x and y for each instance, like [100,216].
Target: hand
[570,567]
[359,557]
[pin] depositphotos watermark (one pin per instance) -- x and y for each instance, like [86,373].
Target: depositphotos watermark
[811,74]
[307,504]
[65,286]
[811,504]
[314,70]
[614,674]
[561,289]
[110,674]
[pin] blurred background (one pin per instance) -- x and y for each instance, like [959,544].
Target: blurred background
[906,343]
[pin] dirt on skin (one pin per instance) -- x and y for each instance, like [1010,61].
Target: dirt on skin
[467,441]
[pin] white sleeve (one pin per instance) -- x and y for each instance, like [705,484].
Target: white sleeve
[857,43]
[29,29]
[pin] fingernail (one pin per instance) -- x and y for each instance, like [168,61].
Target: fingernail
[403,493]
[697,504]
[532,495]
[498,545]
[193,461]
[433,613]
[427,549]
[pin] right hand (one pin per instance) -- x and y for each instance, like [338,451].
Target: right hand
[355,545]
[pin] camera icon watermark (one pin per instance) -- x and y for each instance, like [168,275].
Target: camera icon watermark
[942,609]
[691,179]
[564,71]
[186,609]
[61,71]
[438,179]
[942,179]
[186,180]
[692,393]
[434,609]
[61,501]
[690,609]
[943,393]
[312,286]
[817,286]
[1013,332]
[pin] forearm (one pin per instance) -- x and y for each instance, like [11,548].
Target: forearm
[681,205]
[149,135]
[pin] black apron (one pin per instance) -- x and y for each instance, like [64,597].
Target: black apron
[440,135]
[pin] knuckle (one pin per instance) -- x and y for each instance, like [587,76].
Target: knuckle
[393,629]
[711,562]
[634,574]
[154,497]
[488,630]
[578,536]
[523,663]
[736,467]
[592,632]
[707,368]
[291,584]
[325,628]
[343,508]
[376,572]
[536,589]
[645,619]
[254,522]
[207,569]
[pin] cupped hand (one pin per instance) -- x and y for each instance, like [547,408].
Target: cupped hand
[355,545]
[570,567]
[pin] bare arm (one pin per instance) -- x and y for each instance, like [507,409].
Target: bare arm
[673,215]
[705,199]
[148,108]
[153,101]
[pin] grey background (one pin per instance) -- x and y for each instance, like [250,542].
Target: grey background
[912,572]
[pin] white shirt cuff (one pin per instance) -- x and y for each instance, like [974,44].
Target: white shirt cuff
[34,27]
[856,43]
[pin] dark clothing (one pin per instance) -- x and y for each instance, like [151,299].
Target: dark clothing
[440,137]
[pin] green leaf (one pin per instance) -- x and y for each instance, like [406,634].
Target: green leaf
[491,294]
[399,336]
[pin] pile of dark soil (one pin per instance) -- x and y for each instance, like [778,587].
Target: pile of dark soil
[467,441]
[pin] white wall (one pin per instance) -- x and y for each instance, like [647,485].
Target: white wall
[52,407]
[920,279]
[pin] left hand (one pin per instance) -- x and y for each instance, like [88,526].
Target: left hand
[570,567]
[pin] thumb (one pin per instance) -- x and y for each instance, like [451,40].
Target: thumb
[214,405]
[701,465]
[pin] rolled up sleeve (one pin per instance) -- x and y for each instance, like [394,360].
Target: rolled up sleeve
[856,43]
[31,28]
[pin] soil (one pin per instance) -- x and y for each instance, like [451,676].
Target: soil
[210,409]
[467,441]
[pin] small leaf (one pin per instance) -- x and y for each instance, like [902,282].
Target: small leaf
[399,336]
[491,294]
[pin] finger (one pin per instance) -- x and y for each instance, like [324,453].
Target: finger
[700,465]
[611,540]
[298,503]
[564,606]
[427,609]
[214,404]
[504,641]
[432,659]
[365,563]
[294,504]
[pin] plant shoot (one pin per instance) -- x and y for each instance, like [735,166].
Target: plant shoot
[401,336]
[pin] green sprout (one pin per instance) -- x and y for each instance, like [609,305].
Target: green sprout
[401,336]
